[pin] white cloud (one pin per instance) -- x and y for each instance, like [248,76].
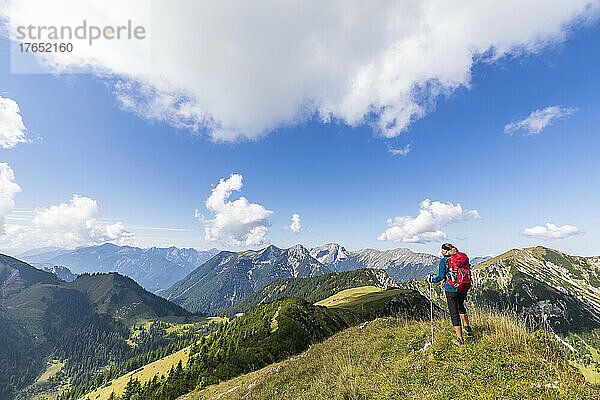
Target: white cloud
[551,231]
[539,119]
[295,226]
[238,70]
[238,222]
[401,152]
[8,190]
[12,129]
[66,225]
[427,225]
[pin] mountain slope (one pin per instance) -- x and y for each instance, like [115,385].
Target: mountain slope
[564,290]
[269,333]
[154,268]
[229,277]
[382,360]
[544,284]
[400,264]
[15,275]
[122,298]
[330,254]
[550,289]
[83,322]
[313,289]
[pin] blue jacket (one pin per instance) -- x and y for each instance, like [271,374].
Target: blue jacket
[442,271]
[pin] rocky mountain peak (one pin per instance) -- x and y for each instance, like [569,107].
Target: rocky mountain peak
[330,253]
[298,251]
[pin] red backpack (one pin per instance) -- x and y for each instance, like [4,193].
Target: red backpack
[459,272]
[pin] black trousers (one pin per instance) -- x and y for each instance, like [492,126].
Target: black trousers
[456,305]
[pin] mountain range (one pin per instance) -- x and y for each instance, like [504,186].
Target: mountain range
[551,290]
[400,264]
[86,323]
[170,272]
[229,277]
[154,268]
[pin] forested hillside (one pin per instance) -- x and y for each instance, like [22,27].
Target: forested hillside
[313,289]
[84,325]
[268,333]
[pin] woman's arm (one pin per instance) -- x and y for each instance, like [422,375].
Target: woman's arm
[441,271]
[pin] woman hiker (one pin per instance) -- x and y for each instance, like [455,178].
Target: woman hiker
[454,269]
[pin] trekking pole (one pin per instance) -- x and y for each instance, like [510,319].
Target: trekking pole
[431,307]
[430,314]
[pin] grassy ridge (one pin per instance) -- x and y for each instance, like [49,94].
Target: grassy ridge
[382,360]
[346,296]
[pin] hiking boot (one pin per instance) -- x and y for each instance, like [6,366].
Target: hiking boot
[458,342]
[468,331]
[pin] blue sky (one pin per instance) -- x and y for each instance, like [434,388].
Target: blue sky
[343,181]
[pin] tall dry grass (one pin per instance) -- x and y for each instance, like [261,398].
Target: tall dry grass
[385,360]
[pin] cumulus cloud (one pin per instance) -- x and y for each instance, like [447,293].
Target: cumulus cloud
[401,152]
[551,231]
[68,225]
[427,225]
[12,129]
[237,70]
[295,225]
[8,190]
[237,222]
[539,119]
